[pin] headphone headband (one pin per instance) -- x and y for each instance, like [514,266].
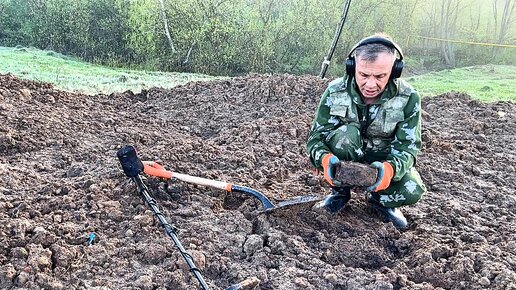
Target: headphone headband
[397,67]
[378,40]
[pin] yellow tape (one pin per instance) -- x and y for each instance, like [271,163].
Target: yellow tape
[469,42]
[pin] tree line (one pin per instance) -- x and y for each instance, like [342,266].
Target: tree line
[232,37]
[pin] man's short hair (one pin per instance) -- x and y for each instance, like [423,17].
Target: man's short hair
[369,52]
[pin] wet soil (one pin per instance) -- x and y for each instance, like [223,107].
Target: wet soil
[61,182]
[356,174]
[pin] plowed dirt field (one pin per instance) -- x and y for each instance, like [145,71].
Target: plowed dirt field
[60,181]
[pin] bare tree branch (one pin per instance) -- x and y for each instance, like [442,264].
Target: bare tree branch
[505,22]
[165,24]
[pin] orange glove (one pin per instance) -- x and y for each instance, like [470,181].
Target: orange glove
[385,175]
[329,163]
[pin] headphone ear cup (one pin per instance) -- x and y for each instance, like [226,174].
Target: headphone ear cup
[350,66]
[397,68]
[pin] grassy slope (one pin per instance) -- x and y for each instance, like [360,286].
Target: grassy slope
[74,75]
[487,83]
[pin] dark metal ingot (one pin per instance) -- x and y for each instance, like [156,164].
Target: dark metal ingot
[355,174]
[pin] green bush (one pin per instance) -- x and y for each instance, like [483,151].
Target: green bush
[238,36]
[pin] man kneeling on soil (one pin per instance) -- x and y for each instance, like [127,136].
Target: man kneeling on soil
[370,116]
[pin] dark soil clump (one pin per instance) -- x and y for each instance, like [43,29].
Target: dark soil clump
[355,174]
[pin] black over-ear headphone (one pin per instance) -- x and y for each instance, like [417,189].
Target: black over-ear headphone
[397,67]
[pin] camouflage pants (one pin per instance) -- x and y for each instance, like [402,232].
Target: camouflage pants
[346,144]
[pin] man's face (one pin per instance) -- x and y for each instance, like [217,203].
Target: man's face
[372,77]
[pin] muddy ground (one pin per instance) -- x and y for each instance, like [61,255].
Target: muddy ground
[61,181]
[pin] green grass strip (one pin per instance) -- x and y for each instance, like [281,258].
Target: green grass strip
[71,74]
[488,83]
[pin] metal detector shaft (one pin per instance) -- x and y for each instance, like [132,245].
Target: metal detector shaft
[132,167]
[336,37]
[169,229]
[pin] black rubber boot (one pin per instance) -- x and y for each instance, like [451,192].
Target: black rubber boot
[391,214]
[335,201]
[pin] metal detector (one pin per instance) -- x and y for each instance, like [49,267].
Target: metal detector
[132,167]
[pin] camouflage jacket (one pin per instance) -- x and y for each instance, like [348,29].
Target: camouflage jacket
[391,127]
